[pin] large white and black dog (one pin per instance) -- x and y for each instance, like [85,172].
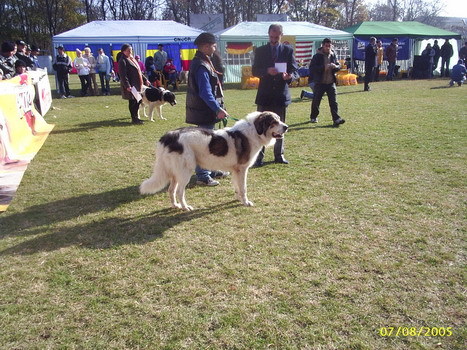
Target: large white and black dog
[231,149]
[155,98]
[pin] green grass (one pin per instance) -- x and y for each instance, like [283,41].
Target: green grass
[365,228]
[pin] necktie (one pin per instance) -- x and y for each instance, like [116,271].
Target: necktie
[274,53]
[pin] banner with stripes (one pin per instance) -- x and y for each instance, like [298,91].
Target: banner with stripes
[303,51]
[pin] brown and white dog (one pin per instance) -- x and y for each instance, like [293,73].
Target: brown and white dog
[231,149]
[155,98]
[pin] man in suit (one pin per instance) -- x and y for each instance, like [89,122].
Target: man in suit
[370,61]
[273,90]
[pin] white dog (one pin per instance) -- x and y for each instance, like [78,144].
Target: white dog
[231,149]
[155,98]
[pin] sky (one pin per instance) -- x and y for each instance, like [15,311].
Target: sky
[454,8]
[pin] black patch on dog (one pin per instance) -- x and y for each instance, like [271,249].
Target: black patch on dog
[169,97]
[170,140]
[242,146]
[264,121]
[218,146]
[153,94]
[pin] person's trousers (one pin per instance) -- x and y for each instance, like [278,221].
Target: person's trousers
[391,66]
[330,90]
[85,83]
[279,145]
[104,77]
[63,86]
[445,66]
[203,174]
[377,70]
[93,84]
[133,106]
[369,70]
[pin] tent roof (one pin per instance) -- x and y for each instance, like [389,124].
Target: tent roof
[410,29]
[302,30]
[122,31]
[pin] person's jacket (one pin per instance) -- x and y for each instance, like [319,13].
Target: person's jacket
[317,67]
[130,75]
[273,90]
[458,72]
[391,53]
[7,65]
[62,64]
[370,55]
[197,110]
[446,50]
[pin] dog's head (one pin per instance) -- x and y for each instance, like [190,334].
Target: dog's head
[169,97]
[268,124]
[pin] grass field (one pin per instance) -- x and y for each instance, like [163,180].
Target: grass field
[365,228]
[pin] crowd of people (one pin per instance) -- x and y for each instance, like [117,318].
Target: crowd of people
[16,58]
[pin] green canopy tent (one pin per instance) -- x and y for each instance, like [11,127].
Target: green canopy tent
[413,36]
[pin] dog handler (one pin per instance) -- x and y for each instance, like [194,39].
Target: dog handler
[204,98]
[130,76]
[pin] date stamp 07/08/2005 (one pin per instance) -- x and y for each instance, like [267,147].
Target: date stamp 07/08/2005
[415,331]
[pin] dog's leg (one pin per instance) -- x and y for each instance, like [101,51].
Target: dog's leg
[159,111]
[239,181]
[172,193]
[182,181]
[151,109]
[144,110]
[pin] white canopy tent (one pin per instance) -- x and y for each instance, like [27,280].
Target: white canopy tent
[140,34]
[305,36]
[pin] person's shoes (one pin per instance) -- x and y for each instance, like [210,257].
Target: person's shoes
[137,122]
[281,160]
[218,174]
[302,94]
[63,96]
[208,182]
[367,89]
[70,96]
[314,120]
[339,121]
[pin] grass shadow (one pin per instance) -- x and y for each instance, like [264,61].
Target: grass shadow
[109,232]
[111,123]
[440,87]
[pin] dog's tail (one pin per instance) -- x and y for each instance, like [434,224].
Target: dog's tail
[159,178]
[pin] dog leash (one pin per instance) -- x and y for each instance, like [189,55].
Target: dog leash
[223,122]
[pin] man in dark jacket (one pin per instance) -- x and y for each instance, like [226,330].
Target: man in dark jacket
[8,59]
[391,57]
[437,55]
[62,66]
[204,99]
[370,61]
[446,54]
[323,67]
[275,66]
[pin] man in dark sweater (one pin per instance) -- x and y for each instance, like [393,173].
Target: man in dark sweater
[370,61]
[323,67]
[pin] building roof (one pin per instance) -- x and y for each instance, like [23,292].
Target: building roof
[408,29]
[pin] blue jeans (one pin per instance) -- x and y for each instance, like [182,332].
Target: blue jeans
[203,174]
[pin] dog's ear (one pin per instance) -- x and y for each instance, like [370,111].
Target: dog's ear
[263,122]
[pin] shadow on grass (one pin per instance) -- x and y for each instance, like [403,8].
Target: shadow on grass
[112,123]
[99,234]
[440,87]
[299,126]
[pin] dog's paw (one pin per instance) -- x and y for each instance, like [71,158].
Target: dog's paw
[187,208]
[247,203]
[163,118]
[176,205]
[152,120]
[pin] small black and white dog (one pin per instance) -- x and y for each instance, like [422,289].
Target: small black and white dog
[155,98]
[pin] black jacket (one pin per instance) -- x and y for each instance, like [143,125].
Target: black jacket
[197,111]
[370,56]
[317,67]
[273,90]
